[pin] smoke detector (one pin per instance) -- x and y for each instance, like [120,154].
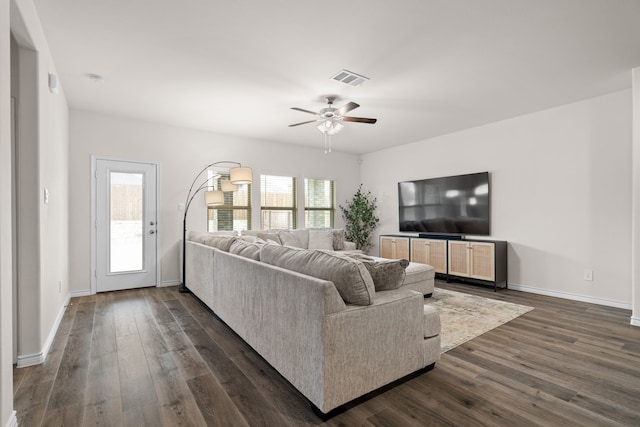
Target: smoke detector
[349,77]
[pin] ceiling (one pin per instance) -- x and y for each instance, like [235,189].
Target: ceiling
[435,66]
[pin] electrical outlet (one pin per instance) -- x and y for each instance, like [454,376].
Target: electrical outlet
[588,275]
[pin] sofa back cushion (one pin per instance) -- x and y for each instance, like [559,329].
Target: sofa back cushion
[194,234]
[298,238]
[350,277]
[246,249]
[273,236]
[219,241]
[321,239]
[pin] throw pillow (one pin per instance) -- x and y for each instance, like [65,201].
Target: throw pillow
[350,277]
[246,249]
[338,239]
[387,274]
[321,239]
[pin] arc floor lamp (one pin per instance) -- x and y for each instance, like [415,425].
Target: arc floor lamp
[238,174]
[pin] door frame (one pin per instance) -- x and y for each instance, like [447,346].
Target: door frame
[94,209]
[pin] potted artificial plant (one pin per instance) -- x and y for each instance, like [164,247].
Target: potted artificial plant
[360,219]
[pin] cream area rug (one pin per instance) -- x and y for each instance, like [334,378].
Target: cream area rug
[465,316]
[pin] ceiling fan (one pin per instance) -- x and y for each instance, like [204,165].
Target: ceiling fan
[330,119]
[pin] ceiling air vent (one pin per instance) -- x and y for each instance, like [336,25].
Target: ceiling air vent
[349,77]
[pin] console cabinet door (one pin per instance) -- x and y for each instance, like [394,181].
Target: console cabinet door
[459,258]
[482,261]
[472,259]
[432,252]
[394,247]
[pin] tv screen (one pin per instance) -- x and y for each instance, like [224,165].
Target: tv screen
[453,204]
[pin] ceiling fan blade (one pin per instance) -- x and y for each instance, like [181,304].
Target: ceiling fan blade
[304,111]
[359,120]
[303,123]
[346,108]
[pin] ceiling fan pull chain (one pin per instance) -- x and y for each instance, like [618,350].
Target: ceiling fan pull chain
[325,143]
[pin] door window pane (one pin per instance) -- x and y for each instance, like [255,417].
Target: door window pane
[125,224]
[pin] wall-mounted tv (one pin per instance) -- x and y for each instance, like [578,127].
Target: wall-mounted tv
[452,204]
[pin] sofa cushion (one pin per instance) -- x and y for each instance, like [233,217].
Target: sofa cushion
[387,274]
[350,276]
[431,321]
[321,239]
[246,249]
[269,236]
[194,234]
[221,242]
[298,238]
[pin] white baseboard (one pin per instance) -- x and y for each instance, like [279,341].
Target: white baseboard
[635,321]
[169,283]
[13,420]
[82,293]
[87,292]
[567,295]
[38,358]
[30,359]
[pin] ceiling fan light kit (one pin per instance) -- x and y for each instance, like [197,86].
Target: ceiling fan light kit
[331,119]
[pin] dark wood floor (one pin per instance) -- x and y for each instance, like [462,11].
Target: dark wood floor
[155,357]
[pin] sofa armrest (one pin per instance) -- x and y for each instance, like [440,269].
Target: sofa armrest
[367,347]
[199,270]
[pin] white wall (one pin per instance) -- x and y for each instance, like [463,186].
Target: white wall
[561,192]
[635,316]
[42,146]
[182,153]
[7,414]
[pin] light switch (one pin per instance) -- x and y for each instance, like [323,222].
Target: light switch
[46,195]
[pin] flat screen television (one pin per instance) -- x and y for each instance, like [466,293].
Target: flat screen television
[452,204]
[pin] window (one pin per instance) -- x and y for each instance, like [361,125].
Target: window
[278,202]
[235,214]
[319,203]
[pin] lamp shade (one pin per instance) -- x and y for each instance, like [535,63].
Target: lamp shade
[226,185]
[241,175]
[214,198]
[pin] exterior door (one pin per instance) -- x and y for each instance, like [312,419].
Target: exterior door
[126,225]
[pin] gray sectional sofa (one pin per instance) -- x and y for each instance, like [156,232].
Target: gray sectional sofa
[314,314]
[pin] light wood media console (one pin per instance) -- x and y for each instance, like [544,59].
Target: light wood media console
[467,260]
